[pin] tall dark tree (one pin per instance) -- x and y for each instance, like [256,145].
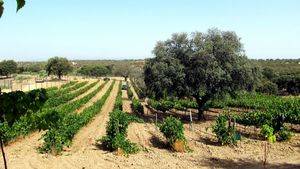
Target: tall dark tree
[58,66]
[202,66]
[7,67]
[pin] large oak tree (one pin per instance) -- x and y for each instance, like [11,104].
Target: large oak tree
[202,66]
[8,67]
[58,66]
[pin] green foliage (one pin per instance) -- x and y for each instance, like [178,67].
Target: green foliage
[268,133]
[20,4]
[41,119]
[268,88]
[71,83]
[116,132]
[284,135]
[119,103]
[285,73]
[269,73]
[288,84]
[7,67]
[140,92]
[96,71]
[279,66]
[58,66]
[225,131]
[169,103]
[1,7]
[137,107]
[266,107]
[271,135]
[15,104]
[172,128]
[64,95]
[162,105]
[129,92]
[122,70]
[202,66]
[34,67]
[68,124]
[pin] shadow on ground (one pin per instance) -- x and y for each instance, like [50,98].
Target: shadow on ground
[244,164]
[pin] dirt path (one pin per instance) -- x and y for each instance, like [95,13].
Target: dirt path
[140,133]
[96,97]
[126,102]
[86,137]
[133,91]
[87,92]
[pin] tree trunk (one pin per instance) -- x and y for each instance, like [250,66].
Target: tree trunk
[201,106]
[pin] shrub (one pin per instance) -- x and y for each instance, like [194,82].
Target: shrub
[116,132]
[172,128]
[118,103]
[129,92]
[124,87]
[137,107]
[14,105]
[284,135]
[165,105]
[226,133]
[268,88]
[268,133]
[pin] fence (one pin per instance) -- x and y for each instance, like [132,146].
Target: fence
[8,85]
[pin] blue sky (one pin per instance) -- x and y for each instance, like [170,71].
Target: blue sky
[129,29]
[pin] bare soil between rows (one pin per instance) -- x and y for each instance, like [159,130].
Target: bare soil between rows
[206,152]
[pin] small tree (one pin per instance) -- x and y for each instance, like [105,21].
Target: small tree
[122,70]
[58,66]
[7,67]
[202,66]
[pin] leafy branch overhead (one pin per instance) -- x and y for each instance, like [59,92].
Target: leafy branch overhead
[20,4]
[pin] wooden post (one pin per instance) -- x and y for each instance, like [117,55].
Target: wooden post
[191,121]
[3,153]
[265,154]
[156,119]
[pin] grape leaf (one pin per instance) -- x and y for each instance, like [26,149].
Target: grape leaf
[20,4]
[1,7]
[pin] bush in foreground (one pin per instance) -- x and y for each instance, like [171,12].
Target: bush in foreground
[116,132]
[284,135]
[137,107]
[225,131]
[172,128]
[268,133]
